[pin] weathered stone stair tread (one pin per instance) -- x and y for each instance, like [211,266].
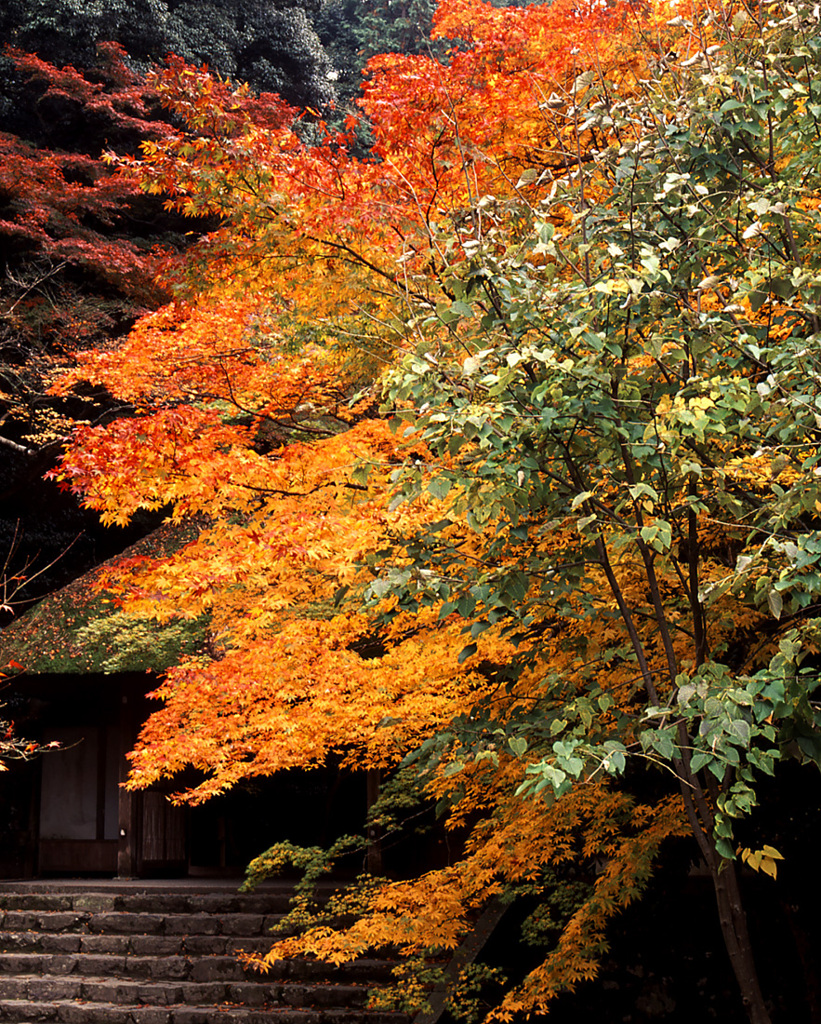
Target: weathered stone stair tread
[154,902]
[123,922]
[68,1012]
[104,988]
[137,945]
[202,968]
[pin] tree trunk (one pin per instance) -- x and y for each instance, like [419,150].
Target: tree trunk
[737,939]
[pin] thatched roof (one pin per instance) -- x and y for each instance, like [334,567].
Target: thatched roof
[79,629]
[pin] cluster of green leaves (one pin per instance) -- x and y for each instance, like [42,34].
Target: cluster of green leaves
[627,409]
[62,636]
[123,643]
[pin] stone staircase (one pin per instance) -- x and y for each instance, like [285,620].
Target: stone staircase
[143,953]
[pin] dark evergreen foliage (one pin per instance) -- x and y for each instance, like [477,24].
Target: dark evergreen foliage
[271,45]
[353,31]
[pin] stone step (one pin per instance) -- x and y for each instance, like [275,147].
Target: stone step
[159,902]
[125,923]
[102,989]
[186,968]
[70,1012]
[172,969]
[136,945]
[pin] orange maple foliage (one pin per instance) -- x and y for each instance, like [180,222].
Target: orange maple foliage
[248,415]
[499,119]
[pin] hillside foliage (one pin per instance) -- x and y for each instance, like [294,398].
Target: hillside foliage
[271,44]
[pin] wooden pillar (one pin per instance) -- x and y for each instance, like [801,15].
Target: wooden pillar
[99,828]
[128,820]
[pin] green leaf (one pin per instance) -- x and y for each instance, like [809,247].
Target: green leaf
[741,730]
[663,743]
[658,535]
[518,744]
[466,652]
[439,487]
[579,499]
[725,849]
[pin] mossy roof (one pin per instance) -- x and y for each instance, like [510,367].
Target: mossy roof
[80,629]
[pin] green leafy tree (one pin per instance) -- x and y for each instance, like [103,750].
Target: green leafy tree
[624,404]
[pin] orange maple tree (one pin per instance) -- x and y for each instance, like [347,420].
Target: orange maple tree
[525,583]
